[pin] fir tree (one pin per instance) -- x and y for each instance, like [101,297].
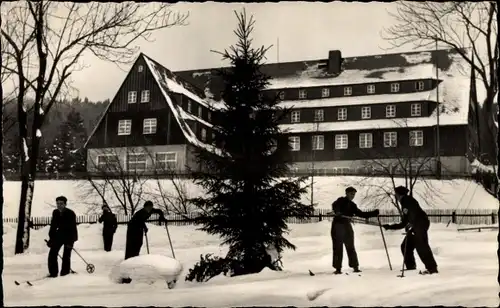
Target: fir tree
[65,156]
[248,198]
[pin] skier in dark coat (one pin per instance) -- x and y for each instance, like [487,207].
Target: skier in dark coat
[62,232]
[136,228]
[109,225]
[342,232]
[416,224]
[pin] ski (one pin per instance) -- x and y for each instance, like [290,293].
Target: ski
[29,282]
[311,273]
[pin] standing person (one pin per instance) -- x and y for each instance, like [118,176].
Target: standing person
[109,225]
[136,228]
[417,224]
[342,232]
[62,232]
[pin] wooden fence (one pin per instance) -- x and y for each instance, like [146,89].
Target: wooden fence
[461,217]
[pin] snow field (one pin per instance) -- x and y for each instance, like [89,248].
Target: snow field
[467,264]
[431,194]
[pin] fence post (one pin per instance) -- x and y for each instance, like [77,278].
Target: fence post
[454,217]
[320,218]
[493,214]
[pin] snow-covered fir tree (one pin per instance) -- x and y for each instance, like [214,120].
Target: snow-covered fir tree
[65,154]
[248,200]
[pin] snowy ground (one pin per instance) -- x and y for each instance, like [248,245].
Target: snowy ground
[431,194]
[467,263]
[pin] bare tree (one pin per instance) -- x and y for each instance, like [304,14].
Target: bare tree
[469,28]
[386,167]
[55,35]
[125,179]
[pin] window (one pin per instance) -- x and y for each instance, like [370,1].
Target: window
[416,110]
[325,92]
[319,115]
[302,94]
[318,142]
[213,138]
[347,91]
[149,126]
[341,141]
[366,112]
[370,88]
[108,162]
[294,143]
[342,114]
[124,127]
[136,162]
[416,138]
[189,106]
[132,97]
[390,111]
[209,116]
[200,112]
[390,139]
[166,161]
[203,135]
[365,140]
[282,95]
[419,85]
[394,87]
[145,96]
[140,68]
[295,116]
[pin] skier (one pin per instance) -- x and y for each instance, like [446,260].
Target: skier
[342,232]
[109,225]
[136,228]
[63,232]
[416,224]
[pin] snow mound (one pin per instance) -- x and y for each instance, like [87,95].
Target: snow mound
[147,268]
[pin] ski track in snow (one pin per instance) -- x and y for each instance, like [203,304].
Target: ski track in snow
[467,277]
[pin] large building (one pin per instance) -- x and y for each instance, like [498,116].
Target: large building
[350,115]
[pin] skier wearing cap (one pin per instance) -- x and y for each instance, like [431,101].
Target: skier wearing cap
[342,232]
[136,228]
[416,223]
[109,226]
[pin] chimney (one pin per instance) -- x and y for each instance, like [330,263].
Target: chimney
[334,62]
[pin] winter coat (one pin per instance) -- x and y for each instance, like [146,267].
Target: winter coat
[138,222]
[414,217]
[63,227]
[109,222]
[345,207]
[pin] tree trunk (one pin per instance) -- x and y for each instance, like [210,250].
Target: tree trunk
[23,231]
[498,197]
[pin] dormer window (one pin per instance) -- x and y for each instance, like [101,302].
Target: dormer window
[189,106]
[200,112]
[347,91]
[302,94]
[394,87]
[370,89]
[140,68]
[419,85]
[325,92]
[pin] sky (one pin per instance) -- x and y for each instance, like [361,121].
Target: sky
[306,31]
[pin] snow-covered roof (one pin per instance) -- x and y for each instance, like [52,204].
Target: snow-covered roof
[452,93]
[167,84]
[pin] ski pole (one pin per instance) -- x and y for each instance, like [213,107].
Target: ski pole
[147,244]
[71,271]
[385,244]
[90,266]
[170,240]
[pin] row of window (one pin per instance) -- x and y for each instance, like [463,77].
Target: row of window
[149,126]
[365,141]
[366,113]
[138,161]
[132,96]
[370,89]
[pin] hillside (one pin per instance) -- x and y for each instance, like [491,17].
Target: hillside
[432,194]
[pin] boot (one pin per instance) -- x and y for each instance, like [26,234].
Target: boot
[337,271]
[429,272]
[356,270]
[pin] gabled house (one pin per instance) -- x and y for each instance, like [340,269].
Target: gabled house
[154,121]
[346,112]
